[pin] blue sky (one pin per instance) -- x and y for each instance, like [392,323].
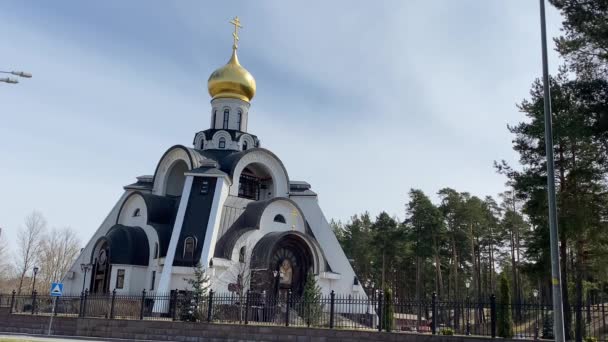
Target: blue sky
[364,100]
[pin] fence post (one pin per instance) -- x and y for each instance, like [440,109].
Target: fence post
[81,303]
[287,304]
[11,310]
[332,302]
[34,301]
[247,307]
[380,309]
[173,304]
[493,315]
[434,311]
[84,303]
[141,309]
[112,304]
[210,308]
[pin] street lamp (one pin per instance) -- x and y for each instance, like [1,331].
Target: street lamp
[35,271]
[535,294]
[467,283]
[84,268]
[16,73]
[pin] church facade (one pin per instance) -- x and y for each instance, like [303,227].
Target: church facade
[225,203]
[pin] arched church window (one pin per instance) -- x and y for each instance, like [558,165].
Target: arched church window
[226,117]
[279,218]
[189,246]
[156,250]
[222,143]
[242,254]
[137,212]
[239,116]
[244,145]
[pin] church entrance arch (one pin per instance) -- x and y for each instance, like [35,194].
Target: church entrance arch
[280,263]
[100,275]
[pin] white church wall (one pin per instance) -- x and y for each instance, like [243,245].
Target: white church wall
[336,258]
[233,106]
[74,285]
[285,209]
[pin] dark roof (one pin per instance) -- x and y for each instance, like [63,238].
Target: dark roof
[161,212]
[208,171]
[300,188]
[128,245]
[234,134]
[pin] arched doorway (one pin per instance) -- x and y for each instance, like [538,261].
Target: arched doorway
[100,276]
[280,263]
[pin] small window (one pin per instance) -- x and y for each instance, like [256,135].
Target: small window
[242,254]
[205,187]
[137,213]
[156,250]
[279,218]
[226,117]
[153,281]
[244,145]
[239,117]
[189,246]
[120,279]
[214,117]
[222,143]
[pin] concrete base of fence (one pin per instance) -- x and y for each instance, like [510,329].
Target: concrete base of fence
[194,332]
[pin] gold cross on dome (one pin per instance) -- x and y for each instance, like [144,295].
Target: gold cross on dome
[237,24]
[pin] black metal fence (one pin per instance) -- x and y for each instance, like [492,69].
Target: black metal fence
[433,316]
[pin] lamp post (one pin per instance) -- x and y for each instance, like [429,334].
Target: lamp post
[535,294]
[467,283]
[556,289]
[35,271]
[15,73]
[84,268]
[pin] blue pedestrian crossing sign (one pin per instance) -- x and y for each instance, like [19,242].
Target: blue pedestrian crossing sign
[56,290]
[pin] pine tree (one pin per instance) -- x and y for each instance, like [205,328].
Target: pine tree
[311,308]
[193,306]
[505,321]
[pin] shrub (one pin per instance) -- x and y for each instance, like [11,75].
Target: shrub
[446,331]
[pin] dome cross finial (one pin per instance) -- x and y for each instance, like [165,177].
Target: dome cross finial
[237,24]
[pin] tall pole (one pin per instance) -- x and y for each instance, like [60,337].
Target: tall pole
[558,313]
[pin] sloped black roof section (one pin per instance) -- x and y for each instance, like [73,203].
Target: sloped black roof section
[128,245]
[161,212]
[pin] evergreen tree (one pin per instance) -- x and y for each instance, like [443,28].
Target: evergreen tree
[388,311]
[505,322]
[311,308]
[193,306]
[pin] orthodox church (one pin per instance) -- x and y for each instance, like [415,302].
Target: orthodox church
[226,203]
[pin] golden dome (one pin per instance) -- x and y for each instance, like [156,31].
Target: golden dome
[232,81]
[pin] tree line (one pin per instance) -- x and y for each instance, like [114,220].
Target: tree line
[50,252]
[463,239]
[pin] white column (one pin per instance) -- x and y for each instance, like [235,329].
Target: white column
[215,216]
[165,278]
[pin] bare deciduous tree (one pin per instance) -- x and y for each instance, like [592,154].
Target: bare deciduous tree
[4,266]
[57,253]
[28,244]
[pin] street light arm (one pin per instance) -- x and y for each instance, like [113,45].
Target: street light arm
[18,73]
[9,80]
